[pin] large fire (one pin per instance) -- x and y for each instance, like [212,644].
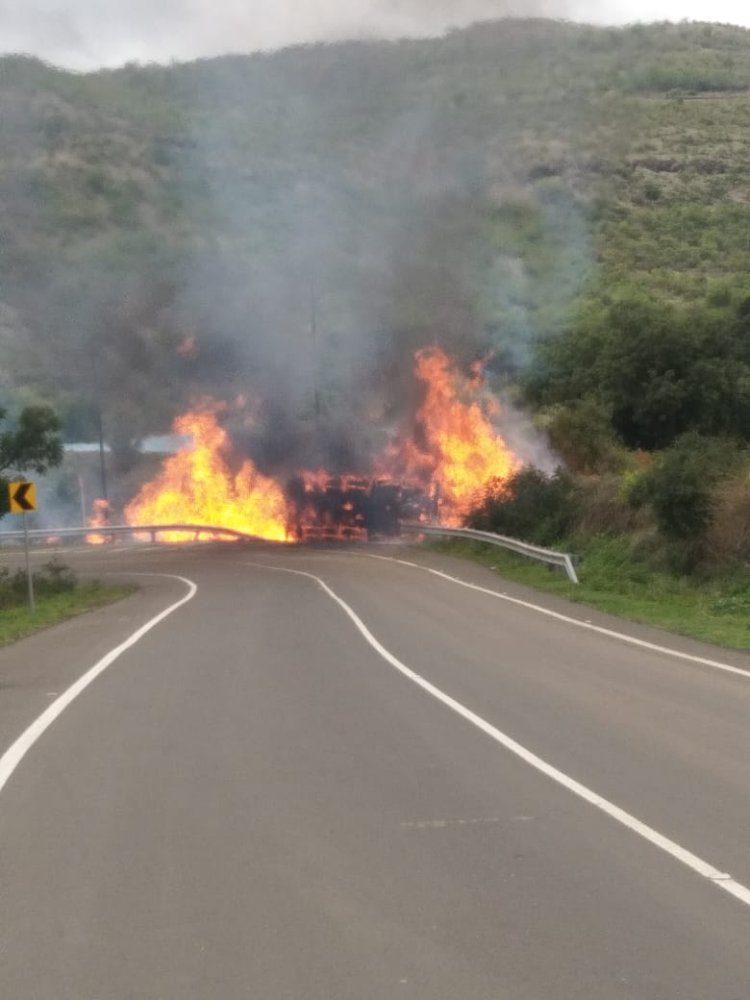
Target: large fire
[456,447]
[100,518]
[199,486]
[435,468]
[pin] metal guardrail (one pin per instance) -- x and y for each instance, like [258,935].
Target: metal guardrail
[117,530]
[562,559]
[549,556]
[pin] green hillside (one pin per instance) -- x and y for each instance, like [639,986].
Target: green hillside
[472,189]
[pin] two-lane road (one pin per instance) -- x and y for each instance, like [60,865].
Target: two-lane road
[290,790]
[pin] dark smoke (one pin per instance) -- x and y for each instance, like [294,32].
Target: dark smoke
[330,213]
[324,323]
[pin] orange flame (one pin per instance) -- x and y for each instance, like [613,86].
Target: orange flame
[455,446]
[198,486]
[100,512]
[188,347]
[452,452]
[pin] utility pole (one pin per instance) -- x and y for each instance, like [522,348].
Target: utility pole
[316,365]
[82,496]
[102,462]
[100,426]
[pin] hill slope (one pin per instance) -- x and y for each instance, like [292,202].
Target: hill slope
[294,224]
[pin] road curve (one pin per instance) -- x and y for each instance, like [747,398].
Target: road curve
[252,802]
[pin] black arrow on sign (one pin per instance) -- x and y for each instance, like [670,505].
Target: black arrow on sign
[19,496]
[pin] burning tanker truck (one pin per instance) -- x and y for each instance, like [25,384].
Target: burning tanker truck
[433,469]
[355,509]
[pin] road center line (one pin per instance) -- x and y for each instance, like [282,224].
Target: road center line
[703,868]
[558,616]
[18,750]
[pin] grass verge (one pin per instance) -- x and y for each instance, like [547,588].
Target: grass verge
[15,623]
[714,610]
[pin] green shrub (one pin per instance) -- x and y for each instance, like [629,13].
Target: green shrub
[690,79]
[728,539]
[678,488]
[655,371]
[603,510]
[531,505]
[581,433]
[54,578]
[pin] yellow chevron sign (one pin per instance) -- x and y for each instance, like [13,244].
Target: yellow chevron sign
[22,497]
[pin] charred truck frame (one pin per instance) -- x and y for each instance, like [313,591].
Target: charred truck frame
[349,508]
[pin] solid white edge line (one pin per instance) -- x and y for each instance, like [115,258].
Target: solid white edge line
[18,750]
[722,879]
[558,616]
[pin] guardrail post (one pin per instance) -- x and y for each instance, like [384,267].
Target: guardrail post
[571,570]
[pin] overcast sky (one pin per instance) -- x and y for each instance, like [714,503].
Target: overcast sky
[84,34]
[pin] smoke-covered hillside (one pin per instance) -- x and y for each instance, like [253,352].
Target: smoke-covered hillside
[292,226]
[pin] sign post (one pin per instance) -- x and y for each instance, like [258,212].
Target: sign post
[22,498]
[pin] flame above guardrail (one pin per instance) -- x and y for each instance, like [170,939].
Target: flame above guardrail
[118,530]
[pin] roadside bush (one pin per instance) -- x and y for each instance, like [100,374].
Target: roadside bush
[679,490]
[602,509]
[581,434]
[532,506]
[54,578]
[728,538]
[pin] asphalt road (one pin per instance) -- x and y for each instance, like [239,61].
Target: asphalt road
[255,800]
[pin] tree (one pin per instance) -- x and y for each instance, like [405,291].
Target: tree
[33,444]
[580,432]
[657,371]
[531,505]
